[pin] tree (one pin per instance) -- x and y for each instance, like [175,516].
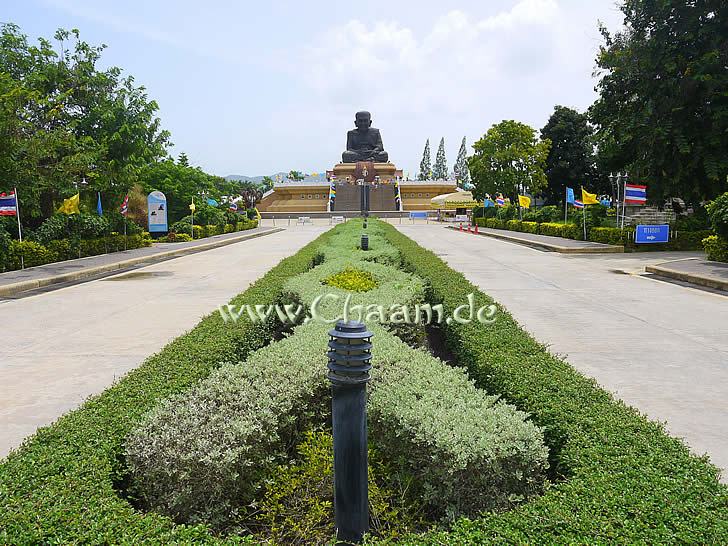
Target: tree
[425,168]
[296,175]
[571,158]
[662,111]
[439,172]
[266,184]
[183,160]
[62,119]
[462,173]
[509,160]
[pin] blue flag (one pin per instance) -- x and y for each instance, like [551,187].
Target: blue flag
[99,210]
[570,195]
[212,202]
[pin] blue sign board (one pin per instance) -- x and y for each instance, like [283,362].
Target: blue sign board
[652,234]
[157,212]
[418,214]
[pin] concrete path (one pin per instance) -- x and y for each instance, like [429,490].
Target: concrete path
[694,270]
[660,347]
[63,346]
[13,283]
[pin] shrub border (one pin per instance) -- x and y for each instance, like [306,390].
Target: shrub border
[627,480]
[59,486]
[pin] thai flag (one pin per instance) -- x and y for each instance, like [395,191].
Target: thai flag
[125,206]
[578,204]
[635,194]
[233,207]
[8,204]
[500,201]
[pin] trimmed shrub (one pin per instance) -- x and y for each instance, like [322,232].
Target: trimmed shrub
[718,213]
[716,248]
[568,231]
[202,456]
[468,452]
[528,227]
[32,253]
[609,236]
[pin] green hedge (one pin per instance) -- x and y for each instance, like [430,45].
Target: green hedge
[34,253]
[680,240]
[716,248]
[59,487]
[625,480]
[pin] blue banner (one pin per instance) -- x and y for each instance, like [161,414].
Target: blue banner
[570,195]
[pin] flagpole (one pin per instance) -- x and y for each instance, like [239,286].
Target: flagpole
[584,218]
[566,205]
[624,202]
[20,228]
[192,222]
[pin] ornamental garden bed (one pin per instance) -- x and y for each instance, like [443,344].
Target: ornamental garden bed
[223,436]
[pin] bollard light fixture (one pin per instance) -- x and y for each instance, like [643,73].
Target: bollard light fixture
[350,354]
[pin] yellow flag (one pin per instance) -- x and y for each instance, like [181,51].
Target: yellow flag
[192,206]
[588,198]
[70,205]
[524,201]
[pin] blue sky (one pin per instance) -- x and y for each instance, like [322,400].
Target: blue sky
[237,82]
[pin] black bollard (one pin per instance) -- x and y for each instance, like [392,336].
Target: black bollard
[349,364]
[365,241]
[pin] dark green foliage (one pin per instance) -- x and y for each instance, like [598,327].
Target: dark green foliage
[718,213]
[662,110]
[626,480]
[71,226]
[549,213]
[571,158]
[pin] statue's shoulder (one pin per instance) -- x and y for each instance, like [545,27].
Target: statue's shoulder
[351,132]
[374,130]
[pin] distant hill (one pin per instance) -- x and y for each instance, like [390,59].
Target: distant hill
[283,176]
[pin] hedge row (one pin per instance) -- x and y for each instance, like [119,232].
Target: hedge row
[59,487]
[212,229]
[625,479]
[34,253]
[682,240]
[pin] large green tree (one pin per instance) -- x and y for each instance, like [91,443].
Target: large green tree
[663,106]
[426,163]
[571,159]
[462,174]
[509,159]
[64,120]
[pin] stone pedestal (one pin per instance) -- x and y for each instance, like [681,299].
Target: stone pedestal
[354,171]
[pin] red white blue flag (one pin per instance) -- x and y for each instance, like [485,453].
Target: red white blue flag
[8,204]
[233,207]
[578,204]
[500,201]
[635,194]
[125,205]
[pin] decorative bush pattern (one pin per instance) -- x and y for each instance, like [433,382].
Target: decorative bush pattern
[354,280]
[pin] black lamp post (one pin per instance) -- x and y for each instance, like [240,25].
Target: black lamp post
[349,365]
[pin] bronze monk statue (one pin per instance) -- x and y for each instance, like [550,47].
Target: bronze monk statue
[364,143]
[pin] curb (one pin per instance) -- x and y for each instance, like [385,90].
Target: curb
[708,282]
[604,249]
[22,286]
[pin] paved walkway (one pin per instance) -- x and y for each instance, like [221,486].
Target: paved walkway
[659,346]
[696,271]
[13,282]
[63,346]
